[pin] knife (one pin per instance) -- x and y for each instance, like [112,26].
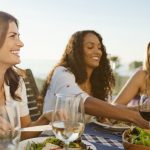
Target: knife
[37,128]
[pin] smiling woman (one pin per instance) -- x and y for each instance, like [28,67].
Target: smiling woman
[12,86]
[92,51]
[85,56]
[85,69]
[11,46]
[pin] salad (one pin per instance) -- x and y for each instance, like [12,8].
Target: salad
[138,136]
[55,144]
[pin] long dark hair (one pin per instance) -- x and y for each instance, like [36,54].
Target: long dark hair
[11,77]
[102,79]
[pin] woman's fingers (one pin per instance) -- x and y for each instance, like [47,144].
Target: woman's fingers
[5,127]
[48,115]
[2,132]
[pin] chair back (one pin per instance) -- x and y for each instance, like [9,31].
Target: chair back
[32,95]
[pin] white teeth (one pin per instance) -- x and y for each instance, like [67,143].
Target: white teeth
[16,52]
[95,58]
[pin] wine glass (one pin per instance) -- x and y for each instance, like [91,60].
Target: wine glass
[68,118]
[144,107]
[9,126]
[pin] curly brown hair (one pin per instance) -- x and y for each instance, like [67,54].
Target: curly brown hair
[102,79]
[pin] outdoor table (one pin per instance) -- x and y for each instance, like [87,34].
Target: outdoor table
[101,138]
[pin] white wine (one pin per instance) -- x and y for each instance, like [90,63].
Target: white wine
[67,131]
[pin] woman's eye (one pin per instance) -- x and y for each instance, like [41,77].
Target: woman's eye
[12,36]
[90,47]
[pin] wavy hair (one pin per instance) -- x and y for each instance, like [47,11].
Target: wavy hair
[146,67]
[102,79]
[11,77]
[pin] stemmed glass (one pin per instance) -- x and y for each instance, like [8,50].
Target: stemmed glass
[68,118]
[9,126]
[144,107]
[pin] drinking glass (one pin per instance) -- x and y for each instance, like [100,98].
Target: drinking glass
[9,138]
[68,118]
[144,107]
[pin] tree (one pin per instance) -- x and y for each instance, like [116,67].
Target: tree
[135,64]
[115,62]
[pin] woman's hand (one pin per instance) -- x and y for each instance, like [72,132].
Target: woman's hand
[138,120]
[47,116]
[104,120]
[5,127]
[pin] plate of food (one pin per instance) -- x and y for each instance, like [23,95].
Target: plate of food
[136,138]
[112,124]
[52,143]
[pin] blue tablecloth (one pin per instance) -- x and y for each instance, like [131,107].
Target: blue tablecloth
[103,139]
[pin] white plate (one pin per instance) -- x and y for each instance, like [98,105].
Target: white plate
[22,144]
[111,127]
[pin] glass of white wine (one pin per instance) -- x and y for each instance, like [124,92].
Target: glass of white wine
[68,118]
[9,126]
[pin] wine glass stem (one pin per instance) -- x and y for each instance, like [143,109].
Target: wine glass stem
[66,145]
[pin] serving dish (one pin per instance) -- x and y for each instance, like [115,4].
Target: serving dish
[132,140]
[121,126]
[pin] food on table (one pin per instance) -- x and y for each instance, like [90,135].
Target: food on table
[53,143]
[113,123]
[121,124]
[138,136]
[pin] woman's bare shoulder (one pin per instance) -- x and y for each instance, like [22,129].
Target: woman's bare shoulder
[139,76]
[140,73]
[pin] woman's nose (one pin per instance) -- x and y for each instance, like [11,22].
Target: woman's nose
[98,51]
[20,43]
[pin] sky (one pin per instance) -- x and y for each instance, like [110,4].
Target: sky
[45,26]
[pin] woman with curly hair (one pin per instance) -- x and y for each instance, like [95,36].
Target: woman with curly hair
[138,84]
[92,70]
[84,68]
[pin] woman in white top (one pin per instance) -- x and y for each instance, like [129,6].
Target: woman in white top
[84,68]
[12,86]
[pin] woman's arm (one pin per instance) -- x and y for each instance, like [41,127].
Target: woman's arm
[64,82]
[96,107]
[131,89]
[26,122]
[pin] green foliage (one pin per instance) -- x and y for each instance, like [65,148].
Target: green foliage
[135,64]
[120,82]
[115,61]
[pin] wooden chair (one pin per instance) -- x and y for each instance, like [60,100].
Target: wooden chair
[33,96]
